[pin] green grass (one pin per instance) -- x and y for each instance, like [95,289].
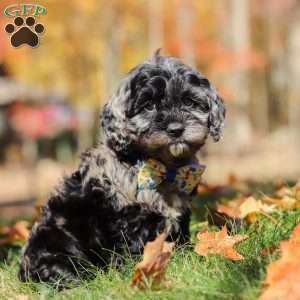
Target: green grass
[188,275]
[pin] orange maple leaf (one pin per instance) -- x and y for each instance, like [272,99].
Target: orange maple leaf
[153,265]
[219,243]
[282,279]
[17,232]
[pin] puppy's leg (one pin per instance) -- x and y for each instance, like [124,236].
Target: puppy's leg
[179,231]
[50,254]
[56,248]
[137,224]
[184,224]
[175,221]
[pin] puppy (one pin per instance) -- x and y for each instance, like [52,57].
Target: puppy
[138,180]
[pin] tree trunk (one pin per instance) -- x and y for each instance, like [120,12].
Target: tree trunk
[184,24]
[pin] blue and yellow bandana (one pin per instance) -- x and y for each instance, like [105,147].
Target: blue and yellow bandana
[152,173]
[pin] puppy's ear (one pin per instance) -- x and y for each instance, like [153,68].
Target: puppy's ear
[117,112]
[114,130]
[216,117]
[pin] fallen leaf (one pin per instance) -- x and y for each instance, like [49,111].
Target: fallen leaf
[284,203]
[252,205]
[284,191]
[232,208]
[247,208]
[268,250]
[233,179]
[205,188]
[17,232]
[282,279]
[235,182]
[151,270]
[21,230]
[219,219]
[220,190]
[22,297]
[219,243]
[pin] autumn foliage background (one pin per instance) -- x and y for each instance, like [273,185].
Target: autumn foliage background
[248,49]
[244,232]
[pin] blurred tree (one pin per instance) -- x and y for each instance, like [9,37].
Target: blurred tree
[240,44]
[271,27]
[184,26]
[155,24]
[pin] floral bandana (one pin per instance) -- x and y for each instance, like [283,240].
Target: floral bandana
[152,173]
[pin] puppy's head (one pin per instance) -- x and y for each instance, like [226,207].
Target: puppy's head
[163,109]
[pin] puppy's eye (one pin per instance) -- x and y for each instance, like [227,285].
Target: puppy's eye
[204,106]
[188,102]
[150,107]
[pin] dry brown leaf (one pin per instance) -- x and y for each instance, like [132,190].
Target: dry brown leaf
[286,191]
[233,179]
[219,243]
[220,219]
[249,208]
[17,232]
[205,188]
[268,250]
[284,203]
[150,271]
[232,208]
[21,230]
[282,279]
[246,208]
[22,297]
[252,205]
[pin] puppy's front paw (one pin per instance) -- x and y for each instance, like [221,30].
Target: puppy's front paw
[50,270]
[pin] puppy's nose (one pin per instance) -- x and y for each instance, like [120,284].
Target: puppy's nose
[175,129]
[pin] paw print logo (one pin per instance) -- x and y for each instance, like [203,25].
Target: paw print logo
[24,33]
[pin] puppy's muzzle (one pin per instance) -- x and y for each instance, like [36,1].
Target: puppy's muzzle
[175,129]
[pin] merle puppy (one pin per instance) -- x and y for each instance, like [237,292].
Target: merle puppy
[163,110]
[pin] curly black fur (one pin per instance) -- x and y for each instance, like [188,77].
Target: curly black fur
[163,109]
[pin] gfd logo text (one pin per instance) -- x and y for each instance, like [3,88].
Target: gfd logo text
[17,10]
